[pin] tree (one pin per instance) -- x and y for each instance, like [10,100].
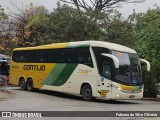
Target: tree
[40,30]
[2,19]
[5,31]
[117,30]
[99,5]
[147,36]
[108,20]
[71,27]
[20,21]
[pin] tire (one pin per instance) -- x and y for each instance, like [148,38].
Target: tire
[30,85]
[87,93]
[22,84]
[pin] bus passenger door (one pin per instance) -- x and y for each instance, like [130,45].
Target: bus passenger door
[105,79]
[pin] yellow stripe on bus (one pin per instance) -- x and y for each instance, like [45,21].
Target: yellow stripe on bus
[51,46]
[125,87]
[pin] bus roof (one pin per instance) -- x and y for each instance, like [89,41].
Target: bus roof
[93,43]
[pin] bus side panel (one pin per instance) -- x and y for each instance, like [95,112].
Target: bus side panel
[71,86]
[69,78]
[91,80]
[82,74]
[36,77]
[30,70]
[14,77]
[58,77]
[15,73]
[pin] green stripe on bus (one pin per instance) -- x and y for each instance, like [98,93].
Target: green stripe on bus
[60,74]
[52,77]
[65,74]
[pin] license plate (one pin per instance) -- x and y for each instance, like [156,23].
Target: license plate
[132,96]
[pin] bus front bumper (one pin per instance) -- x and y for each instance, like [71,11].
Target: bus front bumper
[121,95]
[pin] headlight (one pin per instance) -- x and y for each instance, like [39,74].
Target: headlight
[119,88]
[118,95]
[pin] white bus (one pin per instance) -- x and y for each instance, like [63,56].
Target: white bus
[93,69]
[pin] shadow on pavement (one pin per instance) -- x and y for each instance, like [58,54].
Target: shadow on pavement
[68,96]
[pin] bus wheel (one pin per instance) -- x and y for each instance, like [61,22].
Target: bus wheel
[22,84]
[87,92]
[30,85]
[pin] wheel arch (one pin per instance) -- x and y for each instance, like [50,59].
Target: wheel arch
[29,78]
[30,84]
[83,84]
[22,77]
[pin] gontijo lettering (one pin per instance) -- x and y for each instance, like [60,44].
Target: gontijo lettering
[34,67]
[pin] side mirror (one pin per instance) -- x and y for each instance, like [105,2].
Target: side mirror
[148,64]
[114,58]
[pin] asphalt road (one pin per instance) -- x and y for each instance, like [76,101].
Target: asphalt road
[53,101]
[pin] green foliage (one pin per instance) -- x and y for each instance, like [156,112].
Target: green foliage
[116,29]
[3,18]
[39,29]
[62,25]
[120,32]
[148,45]
[73,27]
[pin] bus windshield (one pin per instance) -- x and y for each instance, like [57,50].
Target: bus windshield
[129,69]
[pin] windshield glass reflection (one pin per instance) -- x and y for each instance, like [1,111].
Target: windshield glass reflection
[129,69]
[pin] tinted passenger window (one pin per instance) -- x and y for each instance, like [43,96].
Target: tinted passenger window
[84,56]
[20,56]
[66,55]
[50,55]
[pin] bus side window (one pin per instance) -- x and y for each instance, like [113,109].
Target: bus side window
[23,57]
[54,55]
[84,56]
[68,55]
[17,56]
[65,56]
[33,56]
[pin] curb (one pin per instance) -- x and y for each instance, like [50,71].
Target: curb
[152,99]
